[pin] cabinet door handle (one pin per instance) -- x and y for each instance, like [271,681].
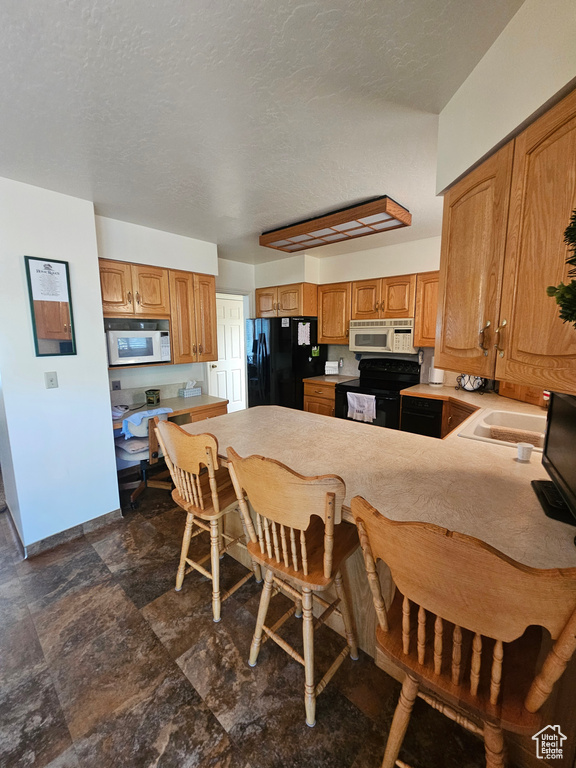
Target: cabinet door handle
[347,331]
[481,338]
[318,392]
[129,297]
[200,349]
[137,297]
[500,328]
[383,306]
[193,349]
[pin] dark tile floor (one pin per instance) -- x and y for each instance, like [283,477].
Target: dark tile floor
[102,664]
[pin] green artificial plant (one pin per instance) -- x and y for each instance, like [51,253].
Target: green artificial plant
[565,295]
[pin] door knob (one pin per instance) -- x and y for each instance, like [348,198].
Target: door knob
[213,366]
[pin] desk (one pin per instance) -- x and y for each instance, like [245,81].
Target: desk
[477,489]
[191,409]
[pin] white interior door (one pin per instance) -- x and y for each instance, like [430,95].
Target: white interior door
[227,377]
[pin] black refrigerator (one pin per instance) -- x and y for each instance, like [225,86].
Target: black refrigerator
[281,351]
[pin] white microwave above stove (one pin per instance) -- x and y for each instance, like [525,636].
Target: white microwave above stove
[138,347]
[394,335]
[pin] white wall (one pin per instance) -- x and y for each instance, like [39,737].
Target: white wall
[56,445]
[292,269]
[234,276]
[400,259]
[532,60]
[142,245]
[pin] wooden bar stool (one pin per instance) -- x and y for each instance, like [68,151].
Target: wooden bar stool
[301,540]
[205,492]
[458,627]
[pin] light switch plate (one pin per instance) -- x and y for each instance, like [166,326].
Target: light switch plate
[51,380]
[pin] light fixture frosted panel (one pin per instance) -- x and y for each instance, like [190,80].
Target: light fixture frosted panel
[386,224]
[367,218]
[322,233]
[346,226]
[375,218]
[361,231]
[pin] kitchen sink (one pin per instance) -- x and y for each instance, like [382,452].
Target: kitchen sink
[507,428]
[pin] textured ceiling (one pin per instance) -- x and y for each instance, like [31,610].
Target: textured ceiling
[220,119]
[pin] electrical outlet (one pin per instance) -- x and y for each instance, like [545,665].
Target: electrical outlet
[116,385]
[51,380]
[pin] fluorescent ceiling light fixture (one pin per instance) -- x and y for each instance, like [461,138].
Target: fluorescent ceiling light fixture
[368,218]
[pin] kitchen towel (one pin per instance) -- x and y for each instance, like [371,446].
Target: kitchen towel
[361,407]
[136,419]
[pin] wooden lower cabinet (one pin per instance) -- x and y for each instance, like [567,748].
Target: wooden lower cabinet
[453,414]
[319,398]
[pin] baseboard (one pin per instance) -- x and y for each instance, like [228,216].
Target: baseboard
[15,533]
[72,533]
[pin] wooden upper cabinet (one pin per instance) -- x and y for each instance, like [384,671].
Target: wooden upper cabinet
[333,313]
[134,289]
[151,291]
[383,297]
[116,287]
[205,314]
[366,299]
[471,263]
[398,295]
[426,309]
[193,326]
[266,301]
[287,300]
[537,348]
[182,318]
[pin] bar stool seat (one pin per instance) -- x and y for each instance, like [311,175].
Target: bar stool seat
[205,492]
[302,542]
[465,626]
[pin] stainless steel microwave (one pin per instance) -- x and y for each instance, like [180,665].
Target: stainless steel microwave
[392,335]
[138,347]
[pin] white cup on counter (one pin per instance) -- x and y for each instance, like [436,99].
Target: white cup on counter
[525,451]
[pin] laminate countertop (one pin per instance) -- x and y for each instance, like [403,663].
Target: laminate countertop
[331,378]
[179,405]
[465,485]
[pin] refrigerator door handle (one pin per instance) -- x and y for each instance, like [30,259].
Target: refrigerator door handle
[261,355]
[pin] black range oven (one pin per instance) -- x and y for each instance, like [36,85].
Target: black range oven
[384,378]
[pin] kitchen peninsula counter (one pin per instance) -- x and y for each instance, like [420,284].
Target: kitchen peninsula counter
[469,486]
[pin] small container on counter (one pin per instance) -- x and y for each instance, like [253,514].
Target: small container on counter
[152,396]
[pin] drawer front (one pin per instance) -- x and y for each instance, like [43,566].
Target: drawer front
[208,413]
[319,390]
[318,405]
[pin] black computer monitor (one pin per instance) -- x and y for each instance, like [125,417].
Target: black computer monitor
[558,496]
